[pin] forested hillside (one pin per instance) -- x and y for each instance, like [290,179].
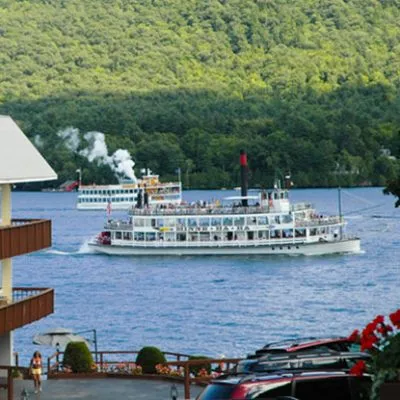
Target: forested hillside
[306,86]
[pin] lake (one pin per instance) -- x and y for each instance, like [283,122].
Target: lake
[210,305]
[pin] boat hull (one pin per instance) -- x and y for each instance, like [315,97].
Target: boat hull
[307,249]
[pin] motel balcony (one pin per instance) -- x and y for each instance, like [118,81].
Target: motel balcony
[24,236]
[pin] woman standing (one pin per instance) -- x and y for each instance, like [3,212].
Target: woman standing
[36,369]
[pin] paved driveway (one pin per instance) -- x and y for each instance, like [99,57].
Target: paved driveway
[100,389]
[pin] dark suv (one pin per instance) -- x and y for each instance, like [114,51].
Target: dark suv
[296,385]
[296,376]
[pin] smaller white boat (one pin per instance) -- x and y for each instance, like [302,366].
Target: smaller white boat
[149,190]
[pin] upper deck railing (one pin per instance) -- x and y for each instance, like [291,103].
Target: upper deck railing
[208,209]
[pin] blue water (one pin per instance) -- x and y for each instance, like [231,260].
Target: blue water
[210,305]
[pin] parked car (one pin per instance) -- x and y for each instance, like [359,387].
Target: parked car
[295,385]
[306,375]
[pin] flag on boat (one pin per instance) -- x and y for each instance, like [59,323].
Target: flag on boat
[109,207]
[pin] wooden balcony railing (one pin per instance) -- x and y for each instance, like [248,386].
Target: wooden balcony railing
[28,305]
[24,236]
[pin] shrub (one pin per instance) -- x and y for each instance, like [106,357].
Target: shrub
[148,358]
[78,357]
[195,369]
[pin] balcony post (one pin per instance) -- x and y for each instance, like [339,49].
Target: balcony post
[5,204]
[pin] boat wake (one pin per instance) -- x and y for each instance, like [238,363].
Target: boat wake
[84,249]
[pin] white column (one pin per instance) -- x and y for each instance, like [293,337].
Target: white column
[6,283]
[6,351]
[6,340]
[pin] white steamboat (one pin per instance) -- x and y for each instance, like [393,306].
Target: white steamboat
[269,226]
[122,196]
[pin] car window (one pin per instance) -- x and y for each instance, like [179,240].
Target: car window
[282,390]
[216,391]
[332,388]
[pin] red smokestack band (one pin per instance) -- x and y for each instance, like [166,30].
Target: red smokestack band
[243,175]
[243,159]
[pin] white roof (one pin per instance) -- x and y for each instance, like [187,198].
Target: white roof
[19,159]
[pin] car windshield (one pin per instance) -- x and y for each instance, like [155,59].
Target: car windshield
[216,391]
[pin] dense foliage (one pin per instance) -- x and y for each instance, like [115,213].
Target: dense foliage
[148,357]
[393,187]
[78,357]
[310,87]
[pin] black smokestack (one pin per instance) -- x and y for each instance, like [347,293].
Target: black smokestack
[243,176]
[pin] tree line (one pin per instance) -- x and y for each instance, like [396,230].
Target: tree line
[310,89]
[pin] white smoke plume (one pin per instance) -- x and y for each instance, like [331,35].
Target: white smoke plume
[96,150]
[70,137]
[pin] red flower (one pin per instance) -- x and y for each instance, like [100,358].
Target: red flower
[367,342]
[379,319]
[358,368]
[395,318]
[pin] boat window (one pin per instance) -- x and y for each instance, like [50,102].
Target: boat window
[228,221]
[139,222]
[204,221]
[118,235]
[239,221]
[276,196]
[276,234]
[263,234]
[150,236]
[127,236]
[286,219]
[263,220]
[139,236]
[288,233]
[204,236]
[300,232]
[313,231]
[181,237]
[181,223]
[192,222]
[148,222]
[216,221]
[251,221]
[169,221]
[160,222]
[282,195]
[277,219]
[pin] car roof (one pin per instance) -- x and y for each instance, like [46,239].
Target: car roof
[311,360]
[296,343]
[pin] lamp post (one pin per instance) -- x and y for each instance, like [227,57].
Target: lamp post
[58,355]
[94,340]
